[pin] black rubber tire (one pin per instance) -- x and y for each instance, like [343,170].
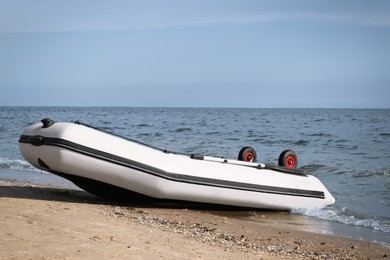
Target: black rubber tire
[288,159]
[247,154]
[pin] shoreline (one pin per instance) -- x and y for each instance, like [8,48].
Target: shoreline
[293,221]
[45,220]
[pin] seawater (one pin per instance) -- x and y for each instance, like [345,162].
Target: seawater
[347,149]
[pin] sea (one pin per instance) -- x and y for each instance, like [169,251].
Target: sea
[347,149]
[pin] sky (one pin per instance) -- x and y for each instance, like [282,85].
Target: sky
[195,53]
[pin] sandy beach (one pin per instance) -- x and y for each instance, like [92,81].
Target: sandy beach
[48,222]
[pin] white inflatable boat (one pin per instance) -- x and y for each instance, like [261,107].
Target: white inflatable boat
[105,164]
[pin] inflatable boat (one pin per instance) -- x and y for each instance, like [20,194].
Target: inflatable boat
[106,164]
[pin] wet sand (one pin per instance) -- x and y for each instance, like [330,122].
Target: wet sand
[48,222]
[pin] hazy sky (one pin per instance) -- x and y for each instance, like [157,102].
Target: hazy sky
[305,53]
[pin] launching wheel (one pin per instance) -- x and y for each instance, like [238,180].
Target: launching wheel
[247,154]
[288,158]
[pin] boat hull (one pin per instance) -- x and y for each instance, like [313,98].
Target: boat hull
[95,160]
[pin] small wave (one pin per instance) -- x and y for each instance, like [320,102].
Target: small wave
[260,140]
[341,141]
[320,135]
[335,215]
[232,139]
[15,164]
[301,143]
[357,153]
[336,170]
[384,134]
[213,133]
[107,129]
[183,129]
[372,173]
[143,125]
[313,167]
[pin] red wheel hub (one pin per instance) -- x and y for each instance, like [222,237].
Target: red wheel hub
[249,157]
[290,162]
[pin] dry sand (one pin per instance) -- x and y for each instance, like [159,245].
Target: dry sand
[43,222]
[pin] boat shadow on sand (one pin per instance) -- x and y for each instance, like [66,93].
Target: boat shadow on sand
[119,198]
